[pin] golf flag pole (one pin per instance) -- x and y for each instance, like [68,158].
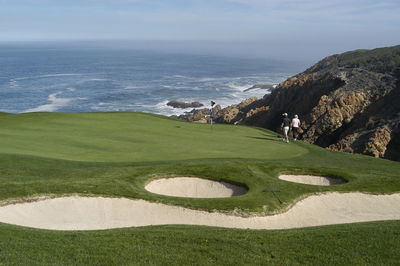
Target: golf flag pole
[211,113]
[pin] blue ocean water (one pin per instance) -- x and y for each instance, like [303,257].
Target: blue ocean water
[62,79]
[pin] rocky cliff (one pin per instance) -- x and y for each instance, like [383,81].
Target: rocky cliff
[348,102]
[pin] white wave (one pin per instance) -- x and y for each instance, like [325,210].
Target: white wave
[132,87]
[238,97]
[97,79]
[224,102]
[202,79]
[251,79]
[239,87]
[115,107]
[176,87]
[54,105]
[13,84]
[178,76]
[205,79]
[59,75]
[50,75]
[163,109]
[71,89]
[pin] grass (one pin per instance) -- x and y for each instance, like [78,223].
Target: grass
[116,154]
[355,244]
[128,137]
[383,60]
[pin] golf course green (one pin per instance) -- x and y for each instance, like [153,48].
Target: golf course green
[115,155]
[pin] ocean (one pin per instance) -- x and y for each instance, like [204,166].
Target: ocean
[73,79]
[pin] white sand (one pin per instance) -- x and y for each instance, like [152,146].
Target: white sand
[312,180]
[90,213]
[193,187]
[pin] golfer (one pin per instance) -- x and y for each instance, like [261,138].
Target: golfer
[295,127]
[285,126]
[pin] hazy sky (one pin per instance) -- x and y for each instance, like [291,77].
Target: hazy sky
[286,27]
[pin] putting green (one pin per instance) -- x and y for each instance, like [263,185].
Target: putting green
[134,137]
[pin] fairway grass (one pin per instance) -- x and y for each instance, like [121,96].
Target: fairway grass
[117,154]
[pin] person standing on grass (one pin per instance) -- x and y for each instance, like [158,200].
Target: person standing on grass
[295,127]
[285,126]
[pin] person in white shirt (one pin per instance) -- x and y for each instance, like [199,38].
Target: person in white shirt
[295,126]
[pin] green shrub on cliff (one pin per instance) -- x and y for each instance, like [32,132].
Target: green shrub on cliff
[381,60]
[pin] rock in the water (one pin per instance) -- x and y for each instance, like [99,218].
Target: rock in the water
[232,114]
[261,86]
[183,105]
[198,115]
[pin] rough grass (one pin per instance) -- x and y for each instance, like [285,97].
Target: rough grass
[116,154]
[383,60]
[354,244]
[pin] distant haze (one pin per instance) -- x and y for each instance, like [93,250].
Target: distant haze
[304,30]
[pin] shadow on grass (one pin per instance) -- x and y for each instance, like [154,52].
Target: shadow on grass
[268,137]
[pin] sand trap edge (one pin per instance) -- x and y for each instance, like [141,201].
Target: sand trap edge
[194,187]
[310,179]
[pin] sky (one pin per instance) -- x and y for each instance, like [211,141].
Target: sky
[268,28]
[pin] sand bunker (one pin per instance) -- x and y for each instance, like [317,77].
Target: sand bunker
[313,180]
[90,213]
[192,187]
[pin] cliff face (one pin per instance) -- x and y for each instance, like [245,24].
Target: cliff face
[348,102]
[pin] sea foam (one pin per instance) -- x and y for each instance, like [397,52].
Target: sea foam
[54,105]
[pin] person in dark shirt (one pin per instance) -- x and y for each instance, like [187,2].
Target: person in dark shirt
[285,126]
